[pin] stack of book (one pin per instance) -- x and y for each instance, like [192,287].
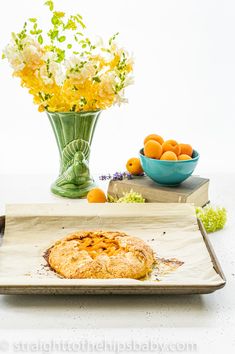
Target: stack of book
[193,190]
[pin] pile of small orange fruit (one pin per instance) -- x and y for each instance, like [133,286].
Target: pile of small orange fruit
[156,148]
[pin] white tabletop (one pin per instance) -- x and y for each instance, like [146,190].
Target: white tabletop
[206,321]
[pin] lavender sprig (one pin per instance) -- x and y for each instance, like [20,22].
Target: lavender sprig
[117,176]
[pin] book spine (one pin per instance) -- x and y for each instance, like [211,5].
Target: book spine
[117,188]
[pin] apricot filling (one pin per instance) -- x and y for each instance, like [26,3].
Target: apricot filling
[100,244]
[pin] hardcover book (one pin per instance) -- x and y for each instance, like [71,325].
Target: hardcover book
[194,190]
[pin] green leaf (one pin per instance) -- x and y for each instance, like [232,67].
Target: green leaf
[83,101]
[81,24]
[53,34]
[55,21]
[50,4]
[113,38]
[40,39]
[69,46]
[3,56]
[32,19]
[78,19]
[60,55]
[96,79]
[73,108]
[61,39]
[70,25]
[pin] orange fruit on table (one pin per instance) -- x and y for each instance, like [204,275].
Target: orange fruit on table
[96,195]
[186,149]
[171,145]
[133,166]
[169,155]
[153,149]
[155,137]
[184,157]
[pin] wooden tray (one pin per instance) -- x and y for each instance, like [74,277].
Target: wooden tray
[121,289]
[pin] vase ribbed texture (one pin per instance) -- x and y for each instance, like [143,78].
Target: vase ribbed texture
[74,133]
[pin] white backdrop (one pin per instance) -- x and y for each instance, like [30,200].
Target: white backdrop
[184,84]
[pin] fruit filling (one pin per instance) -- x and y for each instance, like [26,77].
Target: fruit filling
[100,244]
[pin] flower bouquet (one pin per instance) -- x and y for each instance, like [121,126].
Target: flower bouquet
[73,79]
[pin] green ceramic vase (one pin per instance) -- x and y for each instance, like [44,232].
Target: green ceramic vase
[73,132]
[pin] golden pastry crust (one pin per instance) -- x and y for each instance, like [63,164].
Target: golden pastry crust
[101,255]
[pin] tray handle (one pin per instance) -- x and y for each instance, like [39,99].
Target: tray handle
[2,225]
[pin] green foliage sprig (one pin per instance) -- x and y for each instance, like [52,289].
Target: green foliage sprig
[213,219]
[128,197]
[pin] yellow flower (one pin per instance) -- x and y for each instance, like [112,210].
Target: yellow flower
[93,78]
[41,108]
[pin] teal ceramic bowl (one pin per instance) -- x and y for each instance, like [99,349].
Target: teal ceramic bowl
[168,173]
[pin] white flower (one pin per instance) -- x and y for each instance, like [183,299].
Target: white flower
[129,81]
[107,84]
[72,66]
[80,69]
[14,56]
[32,52]
[27,52]
[88,71]
[59,75]
[51,71]
[72,62]
[119,98]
